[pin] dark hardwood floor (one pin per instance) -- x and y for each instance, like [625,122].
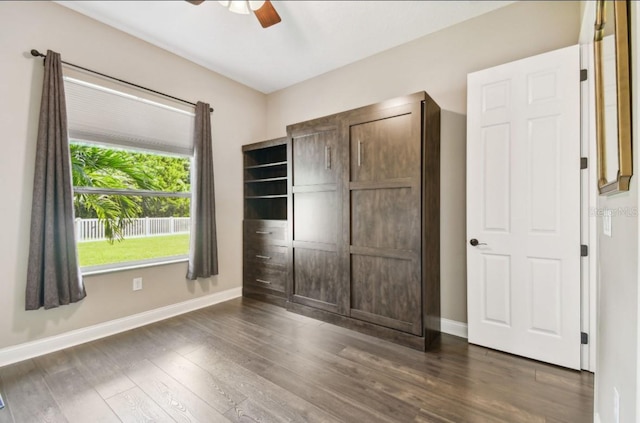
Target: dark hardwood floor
[245,360]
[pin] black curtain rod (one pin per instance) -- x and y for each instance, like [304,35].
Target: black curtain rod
[36,53]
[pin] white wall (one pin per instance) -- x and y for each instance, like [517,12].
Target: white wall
[453,206]
[438,64]
[618,295]
[618,328]
[239,118]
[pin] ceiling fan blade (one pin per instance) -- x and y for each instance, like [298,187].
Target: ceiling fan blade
[195,2]
[267,15]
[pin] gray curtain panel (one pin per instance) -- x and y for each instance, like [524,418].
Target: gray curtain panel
[203,254]
[53,275]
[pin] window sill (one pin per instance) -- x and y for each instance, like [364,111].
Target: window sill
[119,267]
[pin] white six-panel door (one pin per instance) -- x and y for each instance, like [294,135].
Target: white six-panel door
[523,202]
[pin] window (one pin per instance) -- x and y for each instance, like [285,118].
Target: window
[130,207]
[131,162]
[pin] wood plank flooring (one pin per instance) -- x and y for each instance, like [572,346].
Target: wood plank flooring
[248,361]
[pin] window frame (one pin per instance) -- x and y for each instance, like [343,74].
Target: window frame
[133,264]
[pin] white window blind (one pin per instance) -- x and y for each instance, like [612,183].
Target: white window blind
[103,115]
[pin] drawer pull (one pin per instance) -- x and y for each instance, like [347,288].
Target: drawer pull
[263,257]
[263,233]
[263,281]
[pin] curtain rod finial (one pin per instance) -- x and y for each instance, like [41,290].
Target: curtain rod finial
[36,53]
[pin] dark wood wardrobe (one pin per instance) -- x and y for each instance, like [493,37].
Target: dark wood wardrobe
[356,238]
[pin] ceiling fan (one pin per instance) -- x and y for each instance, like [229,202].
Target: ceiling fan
[264,10]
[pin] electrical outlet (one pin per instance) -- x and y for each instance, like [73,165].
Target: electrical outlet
[137,284]
[616,406]
[606,222]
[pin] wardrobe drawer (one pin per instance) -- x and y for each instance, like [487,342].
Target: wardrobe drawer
[267,231]
[269,255]
[264,277]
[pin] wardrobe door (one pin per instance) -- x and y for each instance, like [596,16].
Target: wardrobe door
[385,220]
[316,212]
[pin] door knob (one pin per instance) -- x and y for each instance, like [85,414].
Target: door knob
[474,242]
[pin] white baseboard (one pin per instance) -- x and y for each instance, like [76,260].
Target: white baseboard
[453,327]
[20,352]
[27,350]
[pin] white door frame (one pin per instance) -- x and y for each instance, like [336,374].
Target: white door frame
[588,236]
[589,269]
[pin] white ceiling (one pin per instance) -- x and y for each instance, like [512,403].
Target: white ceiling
[314,37]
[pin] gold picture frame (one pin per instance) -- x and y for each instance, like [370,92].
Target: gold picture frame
[613,96]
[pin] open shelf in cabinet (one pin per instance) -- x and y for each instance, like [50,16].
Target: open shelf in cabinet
[265,180]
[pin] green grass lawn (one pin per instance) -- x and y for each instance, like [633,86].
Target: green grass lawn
[101,252]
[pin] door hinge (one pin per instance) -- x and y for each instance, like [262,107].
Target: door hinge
[584,338]
[583,75]
[584,251]
[583,162]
